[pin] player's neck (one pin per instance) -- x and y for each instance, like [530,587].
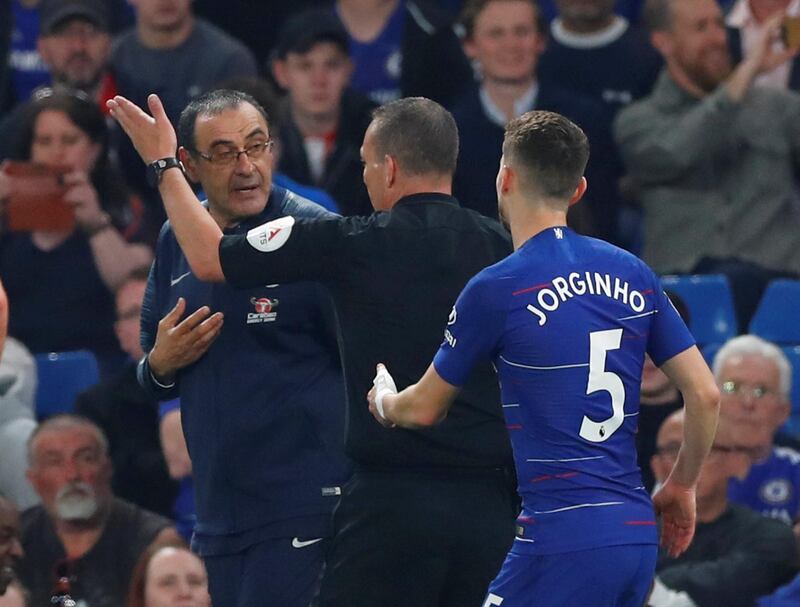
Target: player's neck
[525,223]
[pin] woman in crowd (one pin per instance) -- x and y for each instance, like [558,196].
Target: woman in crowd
[169,575]
[60,281]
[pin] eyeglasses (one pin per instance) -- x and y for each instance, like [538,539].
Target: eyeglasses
[228,155]
[740,389]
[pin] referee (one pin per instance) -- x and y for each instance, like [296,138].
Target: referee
[429,514]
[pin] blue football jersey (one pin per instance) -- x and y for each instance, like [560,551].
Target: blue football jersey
[771,486]
[567,320]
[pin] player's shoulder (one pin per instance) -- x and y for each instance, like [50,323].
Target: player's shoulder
[616,257]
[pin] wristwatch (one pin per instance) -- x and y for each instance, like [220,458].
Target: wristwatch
[156,169]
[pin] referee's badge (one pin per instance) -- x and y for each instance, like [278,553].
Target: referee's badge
[272,235]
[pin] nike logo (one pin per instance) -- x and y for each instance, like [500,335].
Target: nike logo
[297,543]
[175,281]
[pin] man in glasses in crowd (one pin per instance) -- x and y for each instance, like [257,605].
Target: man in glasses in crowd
[736,555]
[261,397]
[755,380]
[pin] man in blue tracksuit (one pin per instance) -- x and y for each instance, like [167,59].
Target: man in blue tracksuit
[259,379]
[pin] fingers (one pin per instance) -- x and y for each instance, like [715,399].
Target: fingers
[171,319]
[157,109]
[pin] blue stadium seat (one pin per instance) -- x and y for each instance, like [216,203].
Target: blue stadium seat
[62,376]
[708,297]
[777,317]
[793,425]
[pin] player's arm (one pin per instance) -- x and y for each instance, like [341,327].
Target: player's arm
[424,403]
[154,138]
[675,501]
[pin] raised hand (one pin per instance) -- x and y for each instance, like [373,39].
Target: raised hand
[152,135]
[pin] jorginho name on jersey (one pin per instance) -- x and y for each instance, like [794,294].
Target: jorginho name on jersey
[569,364]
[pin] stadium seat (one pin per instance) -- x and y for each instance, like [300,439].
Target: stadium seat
[777,317]
[62,376]
[710,303]
[793,425]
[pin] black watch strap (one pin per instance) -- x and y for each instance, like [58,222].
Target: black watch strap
[156,169]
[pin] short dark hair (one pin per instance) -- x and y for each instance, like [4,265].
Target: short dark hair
[419,133]
[304,31]
[473,8]
[212,103]
[657,15]
[551,152]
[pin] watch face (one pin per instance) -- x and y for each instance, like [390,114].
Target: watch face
[156,169]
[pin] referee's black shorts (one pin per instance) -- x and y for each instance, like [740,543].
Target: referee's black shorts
[418,538]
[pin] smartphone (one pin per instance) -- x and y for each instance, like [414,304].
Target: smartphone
[36,198]
[790,31]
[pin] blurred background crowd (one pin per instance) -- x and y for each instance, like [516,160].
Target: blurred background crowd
[694,124]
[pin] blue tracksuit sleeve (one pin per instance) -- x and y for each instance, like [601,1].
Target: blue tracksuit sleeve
[151,305]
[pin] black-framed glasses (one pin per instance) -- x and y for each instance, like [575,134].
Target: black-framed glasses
[757,392]
[228,155]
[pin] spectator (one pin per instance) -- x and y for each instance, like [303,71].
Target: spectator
[86,263]
[10,547]
[169,575]
[81,529]
[598,54]
[323,124]
[128,415]
[736,555]
[17,421]
[505,38]
[442,499]
[714,157]
[629,9]
[261,406]
[746,21]
[26,70]
[75,44]
[177,55]
[755,378]
[403,48]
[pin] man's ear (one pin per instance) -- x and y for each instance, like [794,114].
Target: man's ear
[189,164]
[392,168]
[662,42]
[279,72]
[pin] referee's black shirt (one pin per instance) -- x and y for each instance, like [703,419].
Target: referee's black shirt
[394,277]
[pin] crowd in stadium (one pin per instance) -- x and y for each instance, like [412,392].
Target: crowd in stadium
[217,218]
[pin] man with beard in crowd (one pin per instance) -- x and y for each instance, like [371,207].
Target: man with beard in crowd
[80,531]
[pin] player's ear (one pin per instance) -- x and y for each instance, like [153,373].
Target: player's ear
[505,179]
[579,191]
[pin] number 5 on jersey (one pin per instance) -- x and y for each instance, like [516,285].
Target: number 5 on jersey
[600,342]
